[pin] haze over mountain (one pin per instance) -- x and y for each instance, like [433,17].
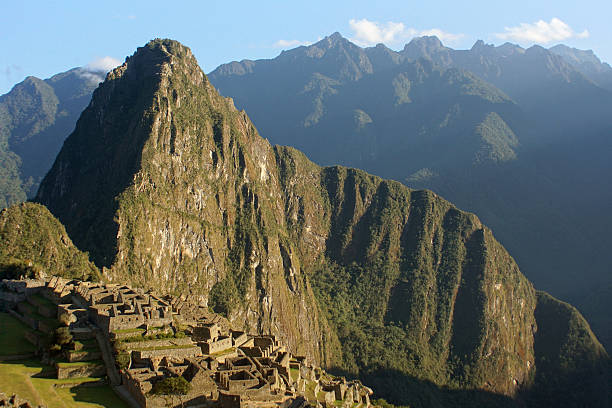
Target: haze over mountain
[167,185]
[35,118]
[519,136]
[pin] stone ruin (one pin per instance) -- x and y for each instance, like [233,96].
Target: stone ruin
[155,338]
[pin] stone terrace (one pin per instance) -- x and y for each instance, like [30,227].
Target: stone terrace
[156,337]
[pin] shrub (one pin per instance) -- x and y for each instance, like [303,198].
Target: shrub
[171,386]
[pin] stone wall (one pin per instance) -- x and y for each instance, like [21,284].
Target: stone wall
[88,370]
[177,353]
[223,343]
[135,345]
[87,355]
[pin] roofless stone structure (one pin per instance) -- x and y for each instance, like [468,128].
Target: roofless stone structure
[146,339]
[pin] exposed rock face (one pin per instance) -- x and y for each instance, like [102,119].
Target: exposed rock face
[170,187]
[168,184]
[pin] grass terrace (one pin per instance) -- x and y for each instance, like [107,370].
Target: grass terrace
[124,331]
[29,380]
[295,374]
[180,346]
[32,380]
[42,301]
[80,363]
[12,340]
[223,352]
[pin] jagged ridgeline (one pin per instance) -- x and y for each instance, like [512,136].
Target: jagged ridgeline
[168,186]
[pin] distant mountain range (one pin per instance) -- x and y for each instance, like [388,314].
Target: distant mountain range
[521,137]
[36,116]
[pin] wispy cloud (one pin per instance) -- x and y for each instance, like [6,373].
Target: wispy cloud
[442,35]
[368,32]
[12,70]
[290,43]
[541,32]
[103,64]
[96,70]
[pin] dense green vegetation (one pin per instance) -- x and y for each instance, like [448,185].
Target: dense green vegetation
[172,386]
[12,336]
[35,242]
[568,357]
[503,132]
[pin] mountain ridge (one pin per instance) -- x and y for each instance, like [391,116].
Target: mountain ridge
[167,184]
[35,118]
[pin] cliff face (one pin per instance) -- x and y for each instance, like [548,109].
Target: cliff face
[168,186]
[408,281]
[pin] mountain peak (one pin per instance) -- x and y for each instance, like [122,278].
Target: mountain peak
[430,41]
[331,41]
[423,47]
[480,45]
[336,36]
[168,46]
[158,51]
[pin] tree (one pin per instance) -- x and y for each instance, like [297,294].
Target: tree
[171,386]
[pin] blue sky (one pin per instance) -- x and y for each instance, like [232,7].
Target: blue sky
[42,38]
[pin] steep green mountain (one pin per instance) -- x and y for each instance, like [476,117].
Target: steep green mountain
[34,243]
[567,354]
[35,118]
[520,137]
[168,185]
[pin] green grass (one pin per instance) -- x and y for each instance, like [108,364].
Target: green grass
[222,352]
[310,386]
[129,331]
[12,341]
[27,379]
[80,363]
[295,373]
[180,346]
[89,344]
[159,336]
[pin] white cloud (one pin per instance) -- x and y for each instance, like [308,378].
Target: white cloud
[290,43]
[103,64]
[443,36]
[368,32]
[541,32]
[371,32]
[96,70]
